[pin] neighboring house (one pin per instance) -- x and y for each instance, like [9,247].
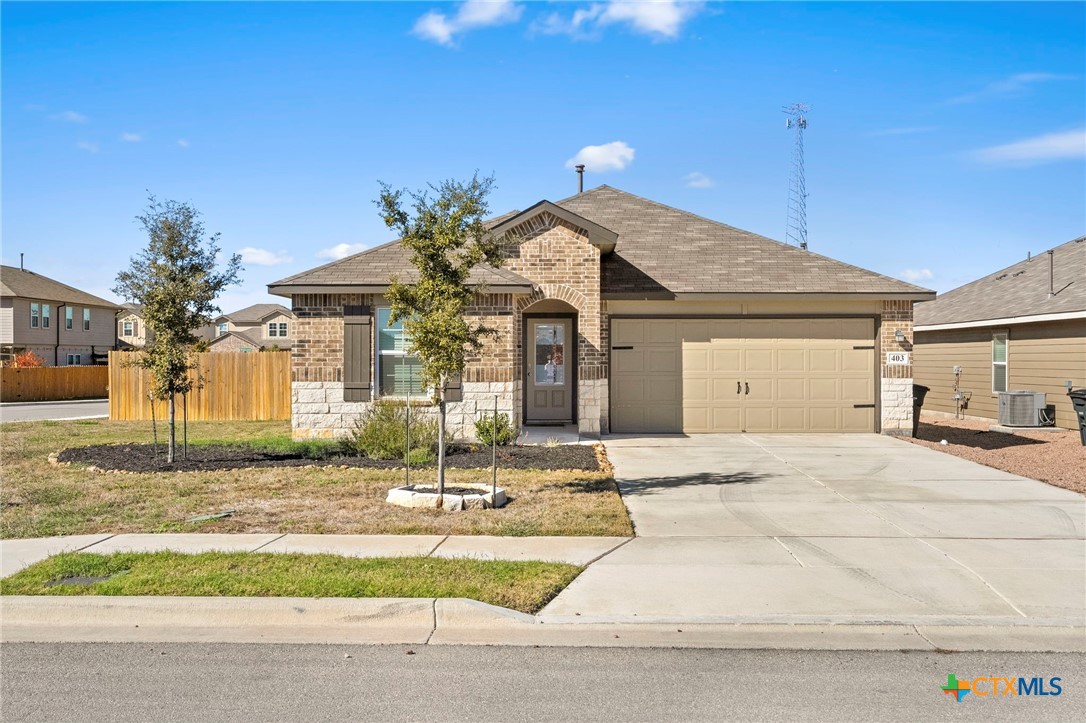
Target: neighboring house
[59,323]
[132,330]
[256,327]
[623,315]
[1022,328]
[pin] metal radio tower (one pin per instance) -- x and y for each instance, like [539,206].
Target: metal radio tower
[796,231]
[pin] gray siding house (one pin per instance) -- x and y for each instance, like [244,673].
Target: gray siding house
[59,323]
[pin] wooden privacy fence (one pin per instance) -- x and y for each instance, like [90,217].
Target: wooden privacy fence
[49,384]
[233,385]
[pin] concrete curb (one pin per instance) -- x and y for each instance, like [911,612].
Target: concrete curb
[428,621]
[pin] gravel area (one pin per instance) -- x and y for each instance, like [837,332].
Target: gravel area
[203,458]
[1057,458]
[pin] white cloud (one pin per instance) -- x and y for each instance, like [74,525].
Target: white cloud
[613,156]
[263,257]
[88,146]
[444,29]
[659,19]
[341,251]
[917,274]
[69,116]
[907,131]
[131,137]
[1051,147]
[183,142]
[1013,85]
[697,179]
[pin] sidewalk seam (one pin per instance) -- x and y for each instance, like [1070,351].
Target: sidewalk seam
[599,557]
[925,638]
[433,627]
[439,544]
[274,539]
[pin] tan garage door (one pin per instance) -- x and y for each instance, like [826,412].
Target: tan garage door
[743,375]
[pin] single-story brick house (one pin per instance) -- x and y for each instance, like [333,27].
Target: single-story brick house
[1020,328]
[623,315]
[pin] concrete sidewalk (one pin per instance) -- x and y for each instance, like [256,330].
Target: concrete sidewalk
[18,554]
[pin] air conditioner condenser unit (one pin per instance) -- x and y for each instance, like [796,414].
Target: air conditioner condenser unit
[1022,409]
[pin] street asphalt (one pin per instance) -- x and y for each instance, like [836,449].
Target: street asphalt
[41,411]
[202,682]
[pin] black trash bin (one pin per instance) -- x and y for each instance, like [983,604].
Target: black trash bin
[919,392]
[1078,401]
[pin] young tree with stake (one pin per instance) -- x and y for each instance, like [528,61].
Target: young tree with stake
[447,239]
[176,278]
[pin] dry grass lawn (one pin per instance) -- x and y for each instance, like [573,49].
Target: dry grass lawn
[40,499]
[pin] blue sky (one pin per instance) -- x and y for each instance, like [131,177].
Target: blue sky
[945,141]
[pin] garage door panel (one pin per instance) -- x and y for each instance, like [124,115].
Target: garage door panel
[803,375]
[823,360]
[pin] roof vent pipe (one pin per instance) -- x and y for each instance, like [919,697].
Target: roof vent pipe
[21,262]
[580,177]
[1051,280]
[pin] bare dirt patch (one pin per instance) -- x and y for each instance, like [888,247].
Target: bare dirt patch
[1057,458]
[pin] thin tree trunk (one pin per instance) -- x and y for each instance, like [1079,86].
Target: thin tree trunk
[173,431]
[441,450]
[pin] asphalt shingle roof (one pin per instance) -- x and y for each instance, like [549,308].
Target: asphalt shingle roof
[30,285]
[256,312]
[1018,290]
[660,250]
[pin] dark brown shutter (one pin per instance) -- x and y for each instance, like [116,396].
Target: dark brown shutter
[454,389]
[135,327]
[357,357]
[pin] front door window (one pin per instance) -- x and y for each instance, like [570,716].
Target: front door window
[550,354]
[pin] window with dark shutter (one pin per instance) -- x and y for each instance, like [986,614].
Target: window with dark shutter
[357,357]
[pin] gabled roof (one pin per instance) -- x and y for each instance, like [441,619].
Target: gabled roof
[256,313]
[239,334]
[128,308]
[664,251]
[649,250]
[371,270]
[1017,291]
[30,285]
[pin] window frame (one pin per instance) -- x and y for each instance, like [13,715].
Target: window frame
[75,360]
[128,328]
[283,329]
[1005,337]
[223,329]
[381,353]
[46,315]
[273,330]
[69,318]
[35,315]
[86,318]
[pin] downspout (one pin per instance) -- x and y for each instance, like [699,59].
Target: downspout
[60,320]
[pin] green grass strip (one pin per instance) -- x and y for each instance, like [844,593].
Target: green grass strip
[524,586]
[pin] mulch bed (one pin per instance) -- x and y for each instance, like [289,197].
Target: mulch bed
[207,458]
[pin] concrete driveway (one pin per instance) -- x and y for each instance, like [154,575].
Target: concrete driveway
[831,528]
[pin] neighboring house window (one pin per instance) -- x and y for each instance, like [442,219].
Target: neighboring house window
[86,319]
[999,361]
[67,317]
[397,371]
[45,309]
[75,360]
[127,329]
[223,328]
[277,329]
[35,316]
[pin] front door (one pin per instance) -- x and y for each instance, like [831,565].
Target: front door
[550,370]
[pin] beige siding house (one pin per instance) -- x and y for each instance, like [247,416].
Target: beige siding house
[59,323]
[132,330]
[256,327]
[1020,328]
[618,314]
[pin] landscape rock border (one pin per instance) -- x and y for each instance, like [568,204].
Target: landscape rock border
[412,496]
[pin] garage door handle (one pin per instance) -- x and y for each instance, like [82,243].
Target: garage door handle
[739,387]
[747,385]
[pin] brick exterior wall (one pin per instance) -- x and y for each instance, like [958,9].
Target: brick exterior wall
[897,381]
